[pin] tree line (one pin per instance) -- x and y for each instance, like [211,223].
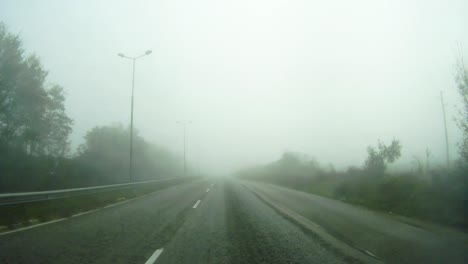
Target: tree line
[35,134]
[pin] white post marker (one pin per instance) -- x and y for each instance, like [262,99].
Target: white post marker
[155,256]
[207,190]
[370,254]
[196,204]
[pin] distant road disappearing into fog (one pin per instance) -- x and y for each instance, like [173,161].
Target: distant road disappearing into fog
[233,221]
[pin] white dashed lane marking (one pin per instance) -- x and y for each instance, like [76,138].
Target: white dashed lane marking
[154,257]
[196,204]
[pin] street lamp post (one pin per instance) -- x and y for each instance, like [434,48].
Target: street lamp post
[184,124]
[148,52]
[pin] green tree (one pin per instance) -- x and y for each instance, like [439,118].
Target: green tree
[32,117]
[29,106]
[34,127]
[11,65]
[462,85]
[106,152]
[58,123]
[378,157]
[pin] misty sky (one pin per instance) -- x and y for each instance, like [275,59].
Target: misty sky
[256,78]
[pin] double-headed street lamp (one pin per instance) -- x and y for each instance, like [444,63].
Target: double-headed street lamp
[148,52]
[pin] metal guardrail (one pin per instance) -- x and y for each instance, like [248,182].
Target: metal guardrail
[27,197]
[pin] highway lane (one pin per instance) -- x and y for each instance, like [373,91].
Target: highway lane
[125,233]
[231,225]
[229,221]
[200,222]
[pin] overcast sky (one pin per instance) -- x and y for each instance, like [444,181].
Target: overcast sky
[256,78]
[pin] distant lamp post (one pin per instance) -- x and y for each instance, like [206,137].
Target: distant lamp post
[447,152]
[184,124]
[148,52]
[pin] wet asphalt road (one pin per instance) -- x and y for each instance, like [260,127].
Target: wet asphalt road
[232,222]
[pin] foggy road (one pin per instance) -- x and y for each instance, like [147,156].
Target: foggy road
[230,221]
[170,131]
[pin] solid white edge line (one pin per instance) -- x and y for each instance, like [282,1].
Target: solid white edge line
[75,215]
[196,204]
[65,218]
[155,256]
[33,226]
[114,204]
[83,213]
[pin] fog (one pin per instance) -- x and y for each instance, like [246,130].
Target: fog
[256,78]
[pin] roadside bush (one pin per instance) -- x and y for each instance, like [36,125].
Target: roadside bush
[444,200]
[442,197]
